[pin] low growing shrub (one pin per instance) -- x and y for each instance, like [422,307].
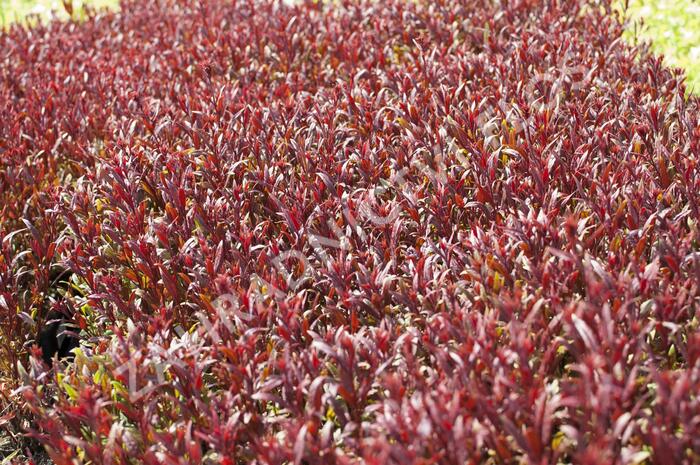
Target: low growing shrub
[430,232]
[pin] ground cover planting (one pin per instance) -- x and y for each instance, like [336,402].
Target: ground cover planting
[426,232]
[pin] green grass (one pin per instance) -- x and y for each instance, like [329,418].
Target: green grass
[674,28]
[19,10]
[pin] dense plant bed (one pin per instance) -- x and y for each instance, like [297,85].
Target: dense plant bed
[361,232]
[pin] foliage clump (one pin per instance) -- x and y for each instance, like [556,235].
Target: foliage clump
[350,232]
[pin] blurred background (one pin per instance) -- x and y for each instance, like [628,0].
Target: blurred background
[19,10]
[673,25]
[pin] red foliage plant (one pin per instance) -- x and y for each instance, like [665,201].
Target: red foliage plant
[430,232]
